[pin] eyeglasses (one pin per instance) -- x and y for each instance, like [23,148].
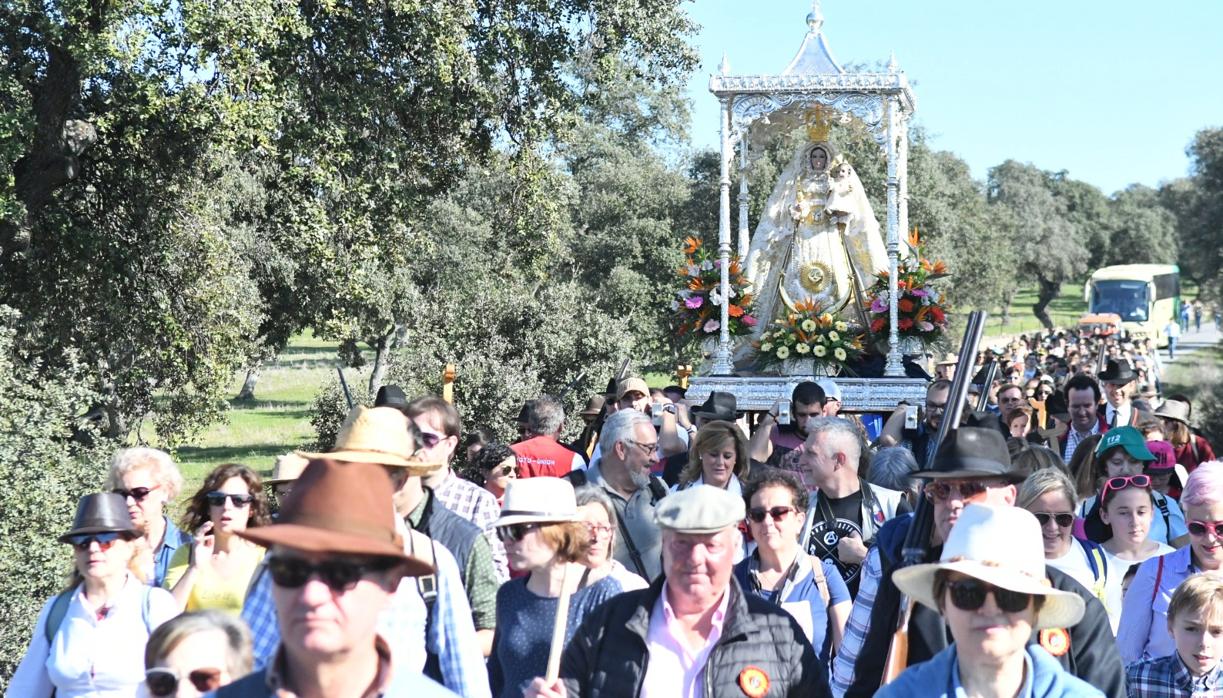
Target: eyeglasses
[648,449]
[936,406]
[969,595]
[1115,484]
[599,529]
[136,493]
[1064,520]
[81,541]
[164,682]
[515,532]
[429,439]
[778,513]
[217,499]
[968,489]
[339,575]
[1201,528]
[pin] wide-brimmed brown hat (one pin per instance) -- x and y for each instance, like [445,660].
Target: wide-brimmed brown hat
[1174,409]
[376,435]
[104,512]
[594,406]
[339,507]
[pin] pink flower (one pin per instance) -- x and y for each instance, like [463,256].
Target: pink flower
[711,326]
[879,305]
[694,302]
[920,292]
[749,320]
[925,326]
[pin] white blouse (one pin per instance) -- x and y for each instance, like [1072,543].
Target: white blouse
[89,657]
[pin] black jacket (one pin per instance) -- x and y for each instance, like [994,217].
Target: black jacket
[607,657]
[1093,649]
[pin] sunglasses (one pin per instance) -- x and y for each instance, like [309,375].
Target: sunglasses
[339,575]
[1201,528]
[967,490]
[1063,520]
[1121,482]
[969,595]
[136,493]
[164,682]
[778,513]
[217,499]
[81,541]
[515,532]
[429,440]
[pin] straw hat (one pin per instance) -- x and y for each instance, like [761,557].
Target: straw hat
[972,549]
[376,435]
[538,500]
[339,507]
[288,468]
[105,512]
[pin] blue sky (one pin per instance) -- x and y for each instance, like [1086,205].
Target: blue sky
[1112,92]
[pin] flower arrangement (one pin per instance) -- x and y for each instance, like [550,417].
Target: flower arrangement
[922,312]
[809,333]
[698,305]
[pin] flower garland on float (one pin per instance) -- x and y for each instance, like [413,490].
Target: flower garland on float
[697,307]
[809,333]
[922,312]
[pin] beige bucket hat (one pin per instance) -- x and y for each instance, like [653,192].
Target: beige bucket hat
[376,435]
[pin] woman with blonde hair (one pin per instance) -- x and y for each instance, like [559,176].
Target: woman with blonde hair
[718,457]
[148,479]
[195,653]
[215,571]
[1050,496]
[89,640]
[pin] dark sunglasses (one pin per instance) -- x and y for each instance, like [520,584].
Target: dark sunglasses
[943,490]
[339,575]
[969,595]
[136,493]
[429,440]
[1116,484]
[81,541]
[217,499]
[778,513]
[515,532]
[164,682]
[1063,520]
[1201,528]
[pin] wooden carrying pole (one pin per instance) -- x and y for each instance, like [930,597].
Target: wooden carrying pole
[917,540]
[448,375]
[558,630]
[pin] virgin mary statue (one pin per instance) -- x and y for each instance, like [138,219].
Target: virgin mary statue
[818,232]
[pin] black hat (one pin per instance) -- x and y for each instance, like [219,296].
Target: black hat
[524,414]
[105,512]
[717,406]
[1056,406]
[1117,372]
[391,396]
[972,452]
[612,384]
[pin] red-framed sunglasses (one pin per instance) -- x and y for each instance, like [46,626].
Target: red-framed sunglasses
[1116,484]
[1201,528]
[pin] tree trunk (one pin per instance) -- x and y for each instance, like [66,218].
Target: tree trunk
[252,377]
[382,354]
[1048,291]
[1006,307]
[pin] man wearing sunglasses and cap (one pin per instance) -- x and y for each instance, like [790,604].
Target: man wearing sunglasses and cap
[335,560]
[973,466]
[693,631]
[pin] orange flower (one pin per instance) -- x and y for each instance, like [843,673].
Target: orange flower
[691,245]
[940,267]
[824,320]
[734,267]
[914,238]
[694,285]
[734,310]
[921,313]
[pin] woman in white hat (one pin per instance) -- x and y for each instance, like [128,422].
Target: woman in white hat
[992,597]
[545,537]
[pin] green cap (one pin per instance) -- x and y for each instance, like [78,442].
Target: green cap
[1128,438]
[700,509]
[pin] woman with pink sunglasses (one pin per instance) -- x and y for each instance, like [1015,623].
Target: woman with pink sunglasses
[1143,632]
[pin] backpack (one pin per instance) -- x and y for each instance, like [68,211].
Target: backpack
[1098,566]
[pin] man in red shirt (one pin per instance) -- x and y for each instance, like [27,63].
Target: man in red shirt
[540,453]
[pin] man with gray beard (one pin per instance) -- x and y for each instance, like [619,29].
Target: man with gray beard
[630,444]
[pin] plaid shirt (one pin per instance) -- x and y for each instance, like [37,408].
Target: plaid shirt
[1073,438]
[452,637]
[858,625]
[480,507]
[1167,677]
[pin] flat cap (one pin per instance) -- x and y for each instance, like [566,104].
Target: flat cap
[700,509]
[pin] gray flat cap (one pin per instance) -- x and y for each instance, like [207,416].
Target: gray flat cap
[700,509]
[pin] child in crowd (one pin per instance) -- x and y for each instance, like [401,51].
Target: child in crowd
[1195,619]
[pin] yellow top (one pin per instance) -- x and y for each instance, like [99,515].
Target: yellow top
[212,590]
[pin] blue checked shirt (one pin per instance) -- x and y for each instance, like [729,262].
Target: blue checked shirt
[1167,677]
[858,625]
[452,636]
[480,507]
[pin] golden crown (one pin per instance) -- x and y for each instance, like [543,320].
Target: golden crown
[819,123]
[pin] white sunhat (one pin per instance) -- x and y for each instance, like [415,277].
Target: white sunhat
[999,546]
[538,500]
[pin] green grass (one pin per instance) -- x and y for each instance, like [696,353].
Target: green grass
[1194,375]
[1065,311]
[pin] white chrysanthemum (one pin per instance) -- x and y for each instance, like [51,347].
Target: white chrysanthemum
[839,353]
[783,352]
[833,336]
[766,347]
[803,349]
[809,325]
[841,326]
[820,351]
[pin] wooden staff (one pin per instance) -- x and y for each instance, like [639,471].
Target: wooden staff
[448,375]
[683,372]
[558,630]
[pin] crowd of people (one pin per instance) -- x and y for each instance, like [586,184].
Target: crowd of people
[1075,548]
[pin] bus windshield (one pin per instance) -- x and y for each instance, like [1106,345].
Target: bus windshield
[1129,299]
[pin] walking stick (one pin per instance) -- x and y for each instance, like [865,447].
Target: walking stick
[558,630]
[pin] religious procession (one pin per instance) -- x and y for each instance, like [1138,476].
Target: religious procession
[845,485]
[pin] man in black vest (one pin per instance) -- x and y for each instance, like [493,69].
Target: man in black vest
[973,466]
